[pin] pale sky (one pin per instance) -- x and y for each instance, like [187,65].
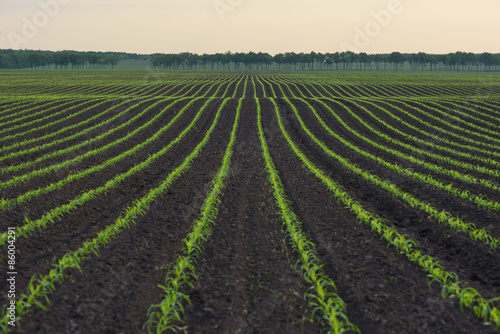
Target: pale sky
[273,26]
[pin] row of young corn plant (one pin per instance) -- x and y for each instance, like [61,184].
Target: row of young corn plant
[441,216]
[329,93]
[321,295]
[45,126]
[471,110]
[221,81]
[491,108]
[138,91]
[287,85]
[428,143]
[107,90]
[312,90]
[451,285]
[344,91]
[52,216]
[40,172]
[64,89]
[17,180]
[78,90]
[385,89]
[167,315]
[479,200]
[340,91]
[431,145]
[118,90]
[25,106]
[464,120]
[164,90]
[36,116]
[261,85]
[48,110]
[279,80]
[434,137]
[486,141]
[196,93]
[203,84]
[11,105]
[262,80]
[211,84]
[430,166]
[358,91]
[228,82]
[176,86]
[390,88]
[41,286]
[309,93]
[141,91]
[53,134]
[376,91]
[72,136]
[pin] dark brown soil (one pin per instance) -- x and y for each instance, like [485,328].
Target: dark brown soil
[248,281]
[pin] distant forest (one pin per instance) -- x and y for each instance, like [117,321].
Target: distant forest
[289,61]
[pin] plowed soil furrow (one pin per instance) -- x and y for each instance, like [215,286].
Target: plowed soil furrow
[247,280]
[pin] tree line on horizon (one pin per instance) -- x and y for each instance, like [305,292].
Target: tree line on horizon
[14,59]
[289,61]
